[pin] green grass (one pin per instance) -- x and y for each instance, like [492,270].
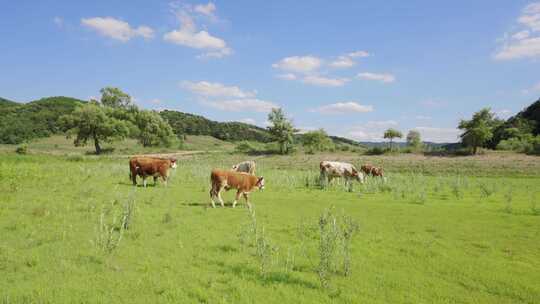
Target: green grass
[422,238]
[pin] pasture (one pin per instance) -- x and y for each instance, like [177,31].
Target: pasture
[441,230]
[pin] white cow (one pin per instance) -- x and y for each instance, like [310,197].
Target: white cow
[247,166]
[331,169]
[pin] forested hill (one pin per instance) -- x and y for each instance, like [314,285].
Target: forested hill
[24,121]
[525,122]
[185,123]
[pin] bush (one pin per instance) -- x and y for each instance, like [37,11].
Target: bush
[515,144]
[245,147]
[22,149]
[376,151]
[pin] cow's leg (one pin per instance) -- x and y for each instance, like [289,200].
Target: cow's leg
[155,180]
[212,195]
[246,197]
[322,179]
[133,176]
[219,197]
[236,198]
[144,180]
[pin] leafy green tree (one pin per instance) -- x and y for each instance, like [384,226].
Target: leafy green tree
[391,134]
[479,130]
[317,141]
[281,129]
[115,98]
[94,123]
[414,139]
[153,129]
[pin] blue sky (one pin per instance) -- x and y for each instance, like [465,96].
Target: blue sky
[353,68]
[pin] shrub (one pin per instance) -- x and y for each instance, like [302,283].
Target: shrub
[22,149]
[376,151]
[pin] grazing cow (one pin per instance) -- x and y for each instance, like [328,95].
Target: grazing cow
[150,166]
[373,171]
[331,169]
[245,166]
[242,182]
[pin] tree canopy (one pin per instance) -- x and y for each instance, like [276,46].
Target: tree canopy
[414,139]
[391,134]
[317,141]
[281,129]
[115,98]
[478,130]
[153,130]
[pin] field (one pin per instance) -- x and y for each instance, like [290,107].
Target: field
[441,230]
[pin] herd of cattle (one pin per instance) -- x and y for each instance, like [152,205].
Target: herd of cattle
[242,176]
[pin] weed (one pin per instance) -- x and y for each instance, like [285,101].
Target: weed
[348,228]
[328,236]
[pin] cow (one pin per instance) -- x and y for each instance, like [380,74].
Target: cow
[331,169]
[150,166]
[245,166]
[373,171]
[244,183]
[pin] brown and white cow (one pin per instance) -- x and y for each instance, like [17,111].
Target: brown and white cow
[247,166]
[150,166]
[243,183]
[373,171]
[332,169]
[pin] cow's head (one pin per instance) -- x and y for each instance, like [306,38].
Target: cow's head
[235,167]
[260,183]
[173,163]
[359,176]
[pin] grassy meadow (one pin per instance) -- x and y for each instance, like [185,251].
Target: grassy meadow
[441,230]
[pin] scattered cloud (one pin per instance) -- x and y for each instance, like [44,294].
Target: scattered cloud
[381,124]
[324,81]
[342,62]
[189,35]
[155,101]
[438,135]
[359,54]
[287,76]
[117,29]
[215,89]
[371,130]
[59,21]
[208,9]
[524,43]
[242,105]
[385,78]
[298,64]
[343,108]
[503,113]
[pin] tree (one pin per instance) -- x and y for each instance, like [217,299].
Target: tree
[115,98]
[479,130]
[281,129]
[317,141]
[92,122]
[413,139]
[391,134]
[153,129]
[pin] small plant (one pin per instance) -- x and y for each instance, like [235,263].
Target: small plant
[486,190]
[22,149]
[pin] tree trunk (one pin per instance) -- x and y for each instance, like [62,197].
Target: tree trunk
[96,144]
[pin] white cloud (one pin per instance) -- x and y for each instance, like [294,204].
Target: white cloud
[438,135]
[188,35]
[525,43]
[242,105]
[117,29]
[359,54]
[503,113]
[155,101]
[342,62]
[59,21]
[324,81]
[371,130]
[381,124]
[287,76]
[250,121]
[299,64]
[385,78]
[205,9]
[343,108]
[214,89]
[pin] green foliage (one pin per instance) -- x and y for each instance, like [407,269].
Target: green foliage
[414,140]
[22,149]
[23,122]
[281,129]
[114,98]
[317,141]
[479,130]
[153,130]
[391,134]
[95,123]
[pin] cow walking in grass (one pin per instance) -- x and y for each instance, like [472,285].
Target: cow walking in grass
[245,166]
[333,169]
[373,171]
[244,183]
[149,166]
